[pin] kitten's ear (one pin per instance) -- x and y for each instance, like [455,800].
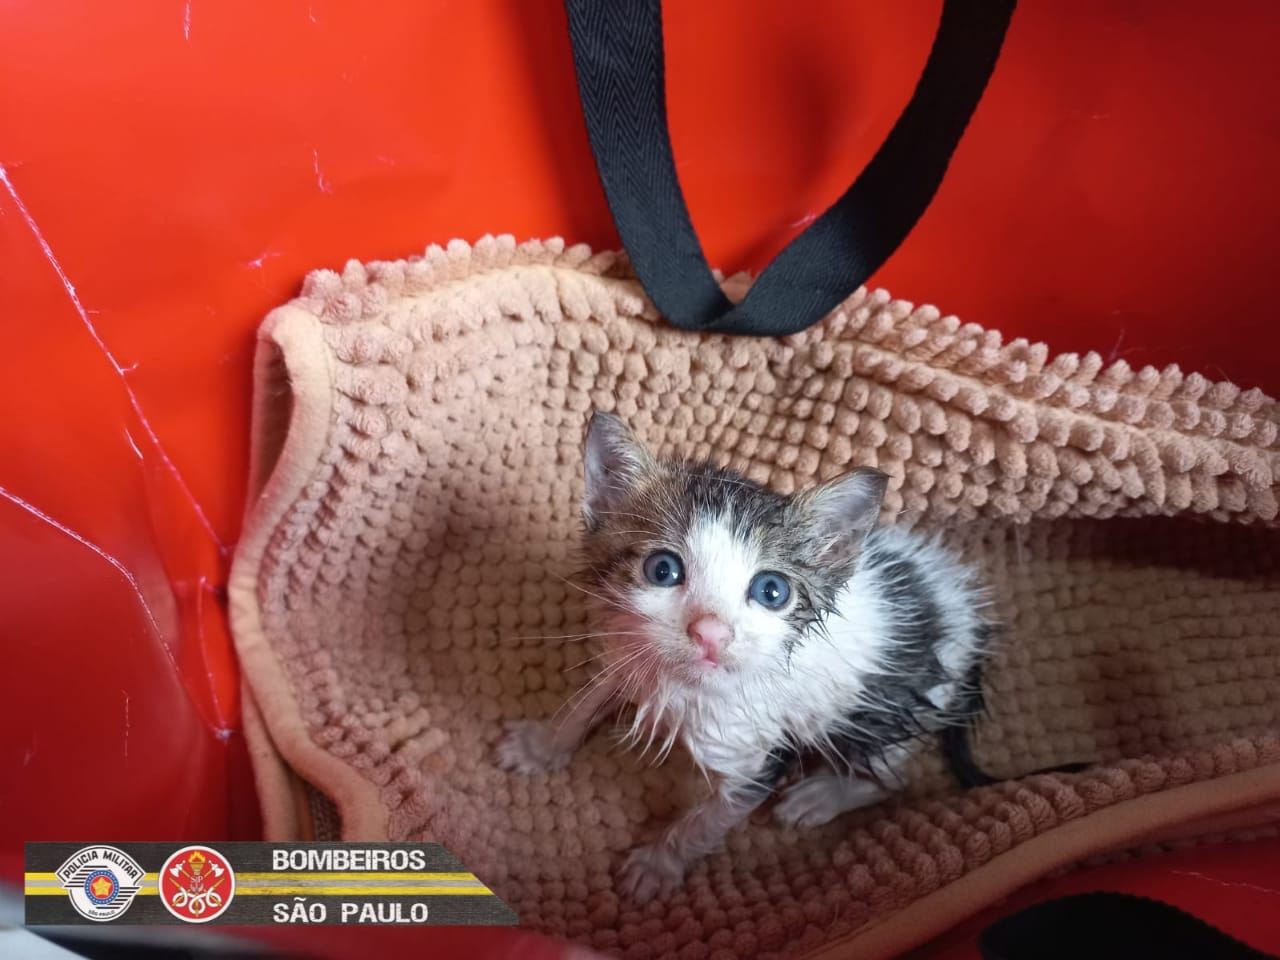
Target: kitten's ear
[614,460]
[842,511]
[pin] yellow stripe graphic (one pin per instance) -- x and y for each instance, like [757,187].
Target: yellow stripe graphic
[312,892]
[352,875]
[367,891]
[322,884]
[59,892]
[306,875]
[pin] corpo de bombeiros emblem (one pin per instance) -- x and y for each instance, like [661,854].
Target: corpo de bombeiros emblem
[101,881]
[197,884]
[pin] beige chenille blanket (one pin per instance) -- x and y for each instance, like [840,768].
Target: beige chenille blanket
[416,473]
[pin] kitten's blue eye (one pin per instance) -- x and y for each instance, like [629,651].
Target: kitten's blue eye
[770,590]
[663,569]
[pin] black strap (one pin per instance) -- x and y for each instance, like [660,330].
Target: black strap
[1109,926]
[618,54]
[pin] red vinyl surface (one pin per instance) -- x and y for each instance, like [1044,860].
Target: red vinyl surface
[171,169]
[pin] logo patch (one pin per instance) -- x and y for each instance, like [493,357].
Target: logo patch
[197,884]
[101,882]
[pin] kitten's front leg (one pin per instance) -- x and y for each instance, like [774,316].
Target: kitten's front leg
[658,868]
[539,746]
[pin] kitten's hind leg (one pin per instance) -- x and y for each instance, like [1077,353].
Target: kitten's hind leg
[822,797]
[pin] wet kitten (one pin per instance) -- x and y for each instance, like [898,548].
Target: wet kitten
[755,630]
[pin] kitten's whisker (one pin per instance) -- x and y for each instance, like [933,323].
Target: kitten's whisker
[579,587]
[627,646]
[621,513]
[606,706]
[614,602]
[637,725]
[570,636]
[583,663]
[666,747]
[573,702]
[706,775]
[633,684]
[653,730]
[734,481]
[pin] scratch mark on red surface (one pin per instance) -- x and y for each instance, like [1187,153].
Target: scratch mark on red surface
[205,590]
[1256,888]
[258,261]
[311,14]
[1115,351]
[186,22]
[30,752]
[67,531]
[106,352]
[324,185]
[804,221]
[126,722]
[129,436]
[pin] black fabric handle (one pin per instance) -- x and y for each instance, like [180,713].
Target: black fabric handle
[1109,926]
[618,55]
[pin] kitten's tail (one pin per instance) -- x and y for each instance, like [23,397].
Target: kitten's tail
[959,754]
[957,744]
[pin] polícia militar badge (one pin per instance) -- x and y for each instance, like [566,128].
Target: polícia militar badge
[101,881]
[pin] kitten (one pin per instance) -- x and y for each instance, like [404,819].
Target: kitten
[755,630]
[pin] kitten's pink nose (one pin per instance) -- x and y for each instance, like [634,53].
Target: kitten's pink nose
[711,634]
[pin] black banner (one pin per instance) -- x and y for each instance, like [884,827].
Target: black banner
[255,883]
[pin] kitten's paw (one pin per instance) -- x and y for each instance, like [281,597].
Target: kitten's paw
[530,747]
[649,872]
[820,799]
